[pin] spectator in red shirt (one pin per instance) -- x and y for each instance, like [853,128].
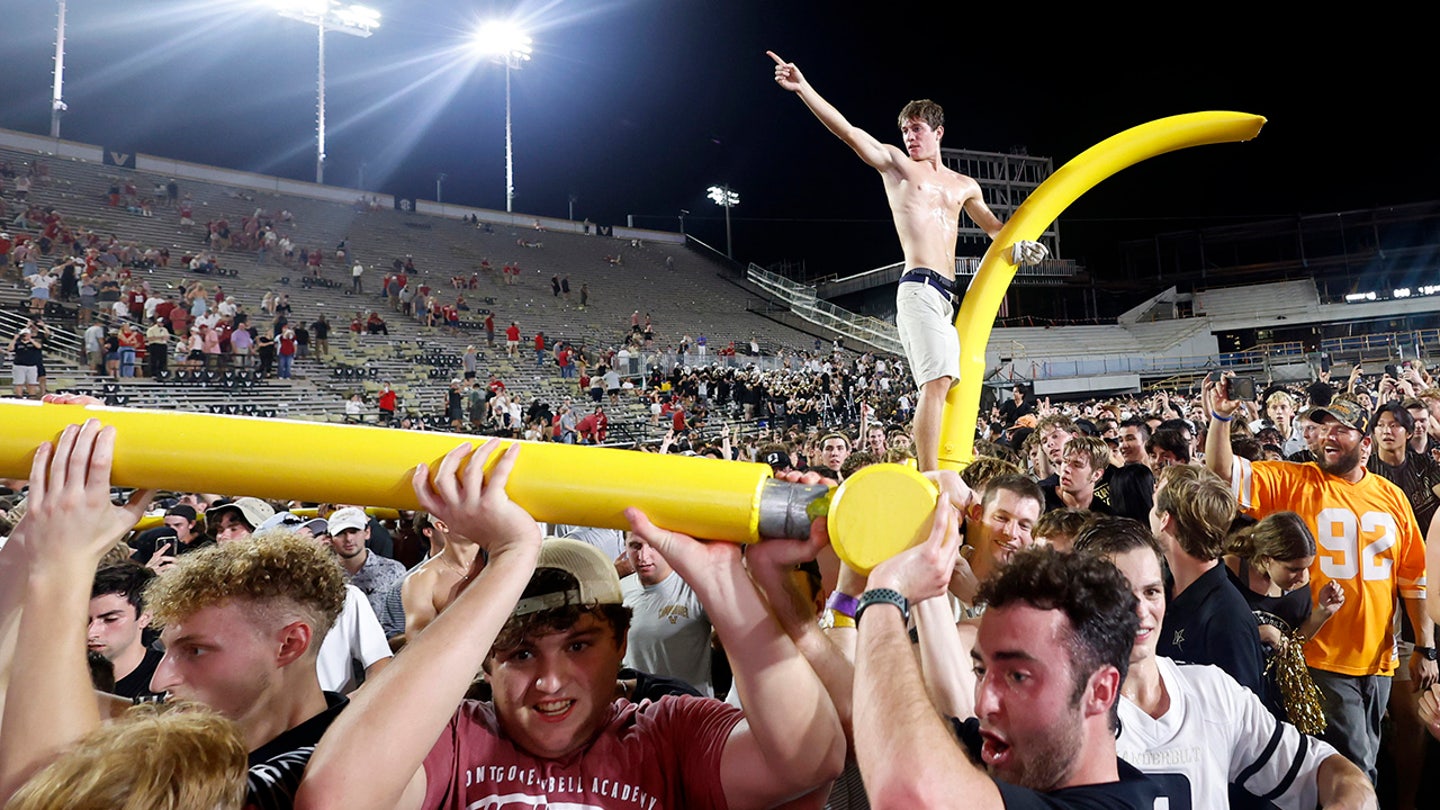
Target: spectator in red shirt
[386,404]
[512,339]
[179,321]
[286,352]
[539,348]
[594,427]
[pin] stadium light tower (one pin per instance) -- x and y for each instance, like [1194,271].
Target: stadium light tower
[57,106]
[327,15]
[506,43]
[723,196]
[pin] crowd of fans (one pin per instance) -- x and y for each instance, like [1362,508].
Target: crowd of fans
[1241,507]
[1224,587]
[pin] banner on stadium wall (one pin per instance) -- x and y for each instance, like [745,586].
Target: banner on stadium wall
[124,158]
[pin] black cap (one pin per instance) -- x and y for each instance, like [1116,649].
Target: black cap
[777,460]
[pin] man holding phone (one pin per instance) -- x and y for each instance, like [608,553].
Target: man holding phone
[1242,388]
[1368,542]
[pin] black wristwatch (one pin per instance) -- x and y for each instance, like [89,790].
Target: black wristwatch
[886,596]
[1428,653]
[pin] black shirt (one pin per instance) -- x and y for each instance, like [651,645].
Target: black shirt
[1134,790]
[276,766]
[1051,487]
[136,685]
[1210,623]
[28,353]
[649,686]
[1286,613]
[1009,411]
[1417,476]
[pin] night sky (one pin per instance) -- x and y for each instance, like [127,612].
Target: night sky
[637,107]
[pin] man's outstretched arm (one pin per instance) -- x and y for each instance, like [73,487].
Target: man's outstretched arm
[68,528]
[875,154]
[1221,409]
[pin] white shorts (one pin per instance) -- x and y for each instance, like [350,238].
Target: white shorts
[926,321]
[26,375]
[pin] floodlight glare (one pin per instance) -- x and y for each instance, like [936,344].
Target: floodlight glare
[1403,292]
[504,39]
[358,16]
[727,199]
[505,42]
[722,195]
[327,15]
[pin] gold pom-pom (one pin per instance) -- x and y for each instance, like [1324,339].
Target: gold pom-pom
[1297,688]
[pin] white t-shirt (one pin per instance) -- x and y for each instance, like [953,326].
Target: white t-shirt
[670,633]
[356,638]
[1214,732]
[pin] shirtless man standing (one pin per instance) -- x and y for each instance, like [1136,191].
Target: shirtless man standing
[925,200]
[432,586]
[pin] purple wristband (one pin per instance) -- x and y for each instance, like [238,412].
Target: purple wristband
[842,603]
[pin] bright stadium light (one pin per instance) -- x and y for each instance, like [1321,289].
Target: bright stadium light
[723,196]
[505,42]
[327,15]
[1403,292]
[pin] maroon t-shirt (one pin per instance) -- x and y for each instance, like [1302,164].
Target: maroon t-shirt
[650,756]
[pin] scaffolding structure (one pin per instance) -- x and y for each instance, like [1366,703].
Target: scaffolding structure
[1005,179]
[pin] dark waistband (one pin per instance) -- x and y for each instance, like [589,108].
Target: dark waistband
[921,275]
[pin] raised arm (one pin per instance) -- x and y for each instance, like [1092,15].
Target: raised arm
[410,702]
[875,154]
[69,525]
[791,741]
[1221,409]
[771,564]
[898,733]
[945,661]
